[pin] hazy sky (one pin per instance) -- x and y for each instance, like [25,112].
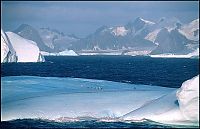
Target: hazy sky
[83,18]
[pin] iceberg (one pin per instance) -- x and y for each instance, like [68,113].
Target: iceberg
[62,53]
[26,50]
[68,53]
[188,98]
[8,54]
[66,99]
[178,107]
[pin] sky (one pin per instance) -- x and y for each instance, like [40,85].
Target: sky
[83,18]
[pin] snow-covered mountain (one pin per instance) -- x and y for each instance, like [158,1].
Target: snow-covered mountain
[15,48]
[127,37]
[170,42]
[177,40]
[137,37]
[141,36]
[56,40]
[47,39]
[191,30]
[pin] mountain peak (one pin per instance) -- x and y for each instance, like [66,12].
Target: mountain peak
[101,28]
[73,36]
[139,19]
[22,27]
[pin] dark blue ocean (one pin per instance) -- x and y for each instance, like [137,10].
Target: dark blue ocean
[166,72]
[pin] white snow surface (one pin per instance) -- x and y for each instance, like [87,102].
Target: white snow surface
[120,31]
[188,98]
[152,35]
[8,54]
[63,99]
[178,107]
[62,53]
[26,50]
[147,22]
[188,30]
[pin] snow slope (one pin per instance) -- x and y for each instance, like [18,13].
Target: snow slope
[8,54]
[191,30]
[26,50]
[64,99]
[152,35]
[178,107]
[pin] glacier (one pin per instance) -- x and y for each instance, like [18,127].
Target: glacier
[70,99]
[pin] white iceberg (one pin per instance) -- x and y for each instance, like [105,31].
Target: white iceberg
[63,99]
[26,50]
[62,53]
[8,54]
[178,107]
[191,30]
[188,98]
[67,53]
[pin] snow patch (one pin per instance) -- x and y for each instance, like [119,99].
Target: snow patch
[147,22]
[191,31]
[152,35]
[120,31]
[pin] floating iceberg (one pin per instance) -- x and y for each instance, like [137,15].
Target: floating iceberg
[62,53]
[66,99]
[17,49]
[178,107]
[26,50]
[8,54]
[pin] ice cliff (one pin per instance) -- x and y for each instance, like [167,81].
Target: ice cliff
[15,48]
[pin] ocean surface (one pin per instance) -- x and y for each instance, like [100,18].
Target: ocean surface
[166,72]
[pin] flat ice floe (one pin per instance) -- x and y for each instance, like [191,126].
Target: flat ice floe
[194,54]
[64,99]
